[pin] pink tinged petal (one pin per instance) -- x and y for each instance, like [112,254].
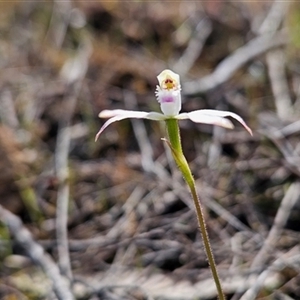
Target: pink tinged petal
[167,99]
[120,114]
[215,117]
[170,101]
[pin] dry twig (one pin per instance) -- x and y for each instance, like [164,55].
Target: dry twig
[194,48]
[289,200]
[232,63]
[289,259]
[36,253]
[279,83]
[77,66]
[276,61]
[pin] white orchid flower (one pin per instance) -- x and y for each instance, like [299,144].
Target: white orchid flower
[169,97]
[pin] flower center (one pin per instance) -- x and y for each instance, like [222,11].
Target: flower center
[168,84]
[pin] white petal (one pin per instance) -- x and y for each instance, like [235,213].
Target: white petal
[182,116]
[216,117]
[197,117]
[105,114]
[120,114]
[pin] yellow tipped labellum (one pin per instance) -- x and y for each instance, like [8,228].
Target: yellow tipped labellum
[168,84]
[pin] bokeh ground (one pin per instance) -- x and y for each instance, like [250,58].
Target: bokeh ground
[132,228]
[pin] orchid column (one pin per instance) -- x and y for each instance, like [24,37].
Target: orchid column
[169,96]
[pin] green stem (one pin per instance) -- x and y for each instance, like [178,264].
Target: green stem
[175,145]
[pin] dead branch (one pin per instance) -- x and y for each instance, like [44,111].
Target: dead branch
[225,70]
[194,48]
[74,67]
[36,253]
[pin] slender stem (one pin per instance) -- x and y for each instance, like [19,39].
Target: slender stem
[175,144]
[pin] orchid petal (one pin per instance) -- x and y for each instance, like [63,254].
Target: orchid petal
[215,117]
[169,100]
[106,114]
[198,117]
[120,114]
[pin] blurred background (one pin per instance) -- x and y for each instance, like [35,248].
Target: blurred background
[115,216]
